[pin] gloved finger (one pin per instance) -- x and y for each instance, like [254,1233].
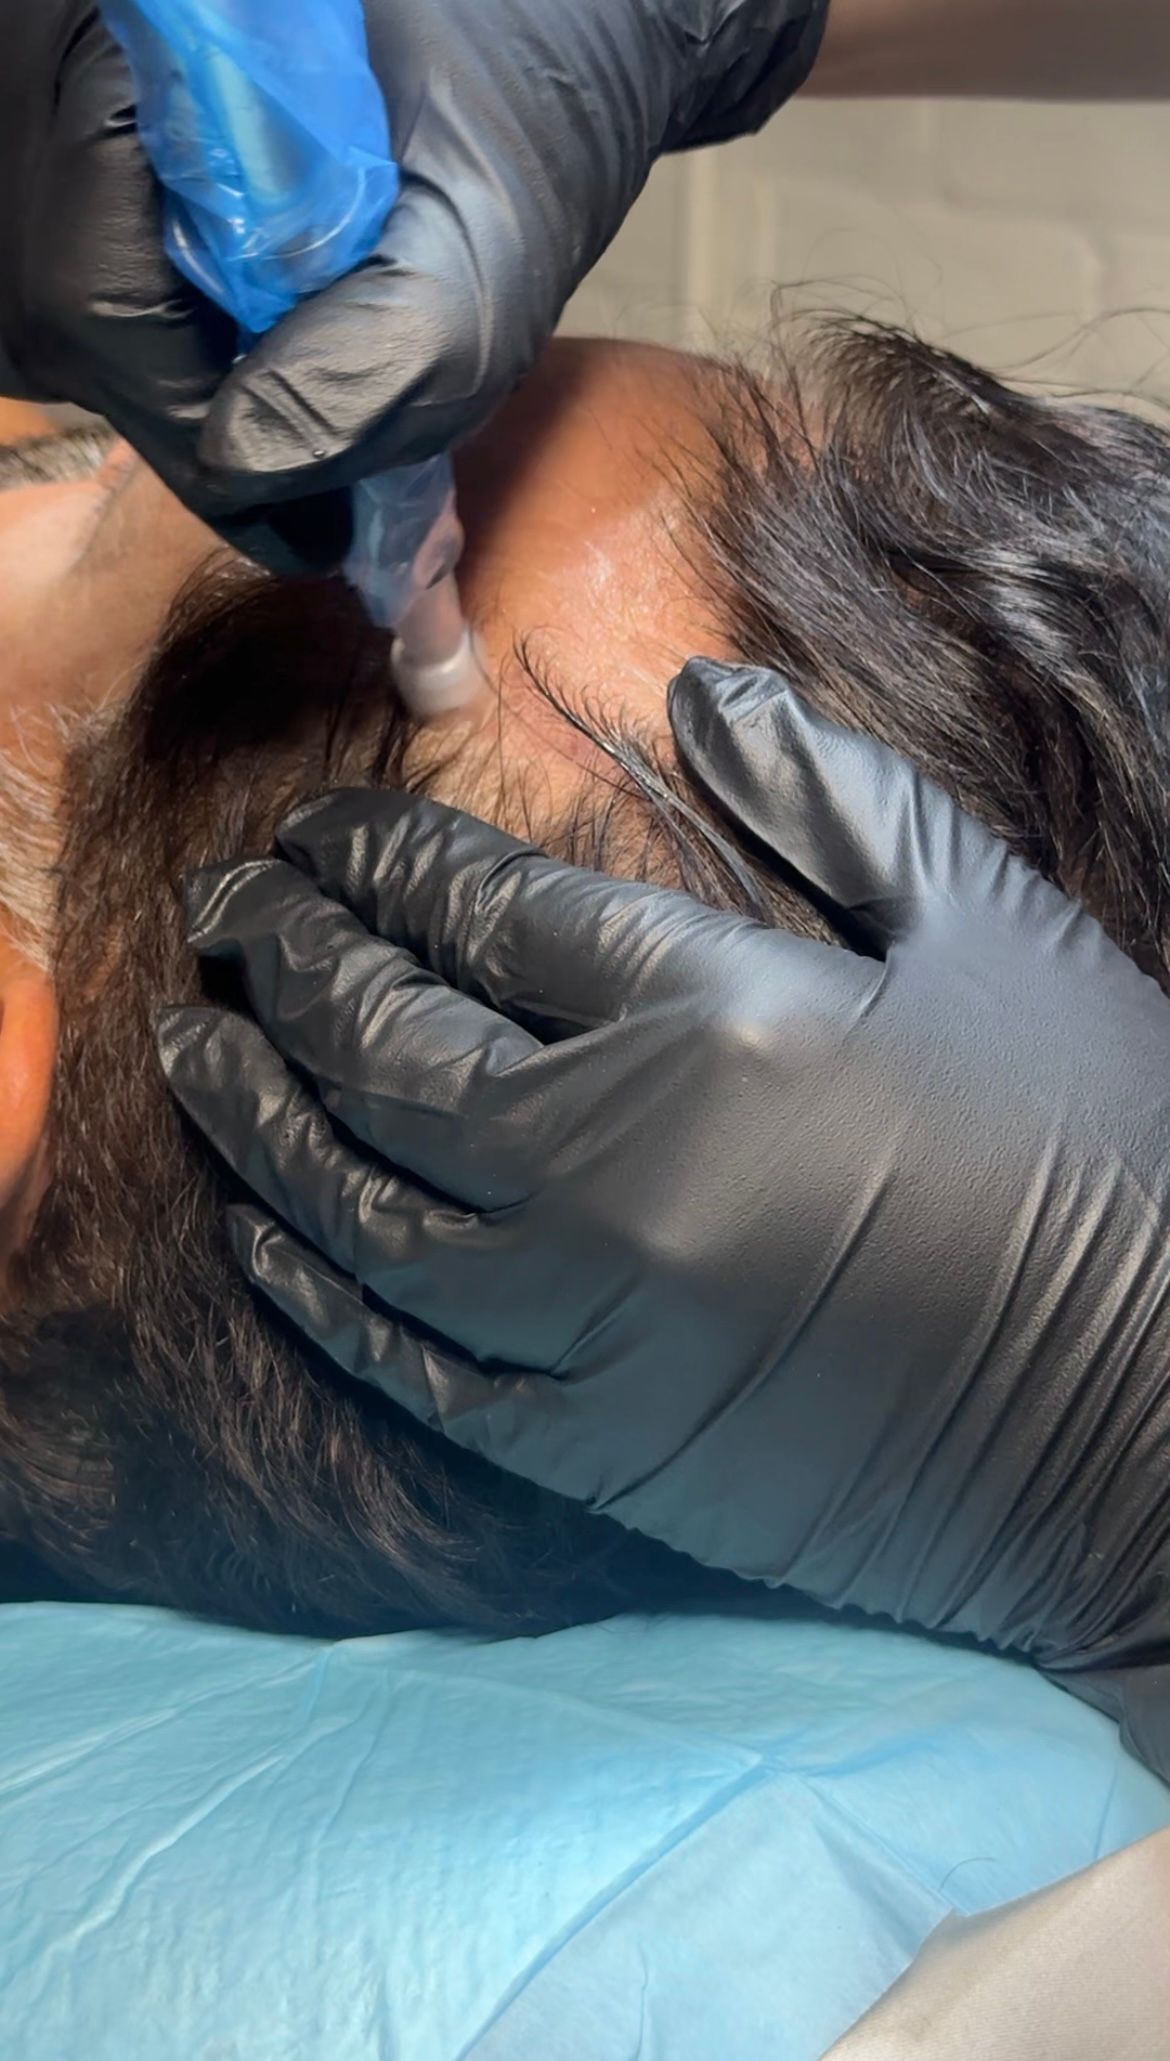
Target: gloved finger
[392,364]
[877,844]
[113,324]
[559,949]
[408,1066]
[418,1253]
[525,1423]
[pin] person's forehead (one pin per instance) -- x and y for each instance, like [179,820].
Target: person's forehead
[93,551]
[568,500]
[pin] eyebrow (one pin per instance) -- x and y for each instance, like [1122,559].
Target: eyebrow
[69,454]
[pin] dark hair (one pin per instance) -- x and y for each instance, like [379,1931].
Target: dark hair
[980,578]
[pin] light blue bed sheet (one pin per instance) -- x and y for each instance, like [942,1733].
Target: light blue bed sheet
[690,1838]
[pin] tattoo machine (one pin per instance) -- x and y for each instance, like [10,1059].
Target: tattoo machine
[268,132]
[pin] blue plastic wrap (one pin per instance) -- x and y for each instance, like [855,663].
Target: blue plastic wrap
[268,132]
[705,1837]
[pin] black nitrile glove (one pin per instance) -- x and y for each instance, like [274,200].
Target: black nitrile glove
[842,1268]
[525,130]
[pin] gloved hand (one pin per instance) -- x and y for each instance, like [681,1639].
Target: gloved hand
[847,1268]
[524,128]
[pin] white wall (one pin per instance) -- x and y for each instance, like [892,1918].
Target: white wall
[1034,238]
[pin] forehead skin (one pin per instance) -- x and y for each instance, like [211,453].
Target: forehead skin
[576,530]
[569,504]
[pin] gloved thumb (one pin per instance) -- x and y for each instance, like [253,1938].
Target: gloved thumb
[872,841]
[398,361]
